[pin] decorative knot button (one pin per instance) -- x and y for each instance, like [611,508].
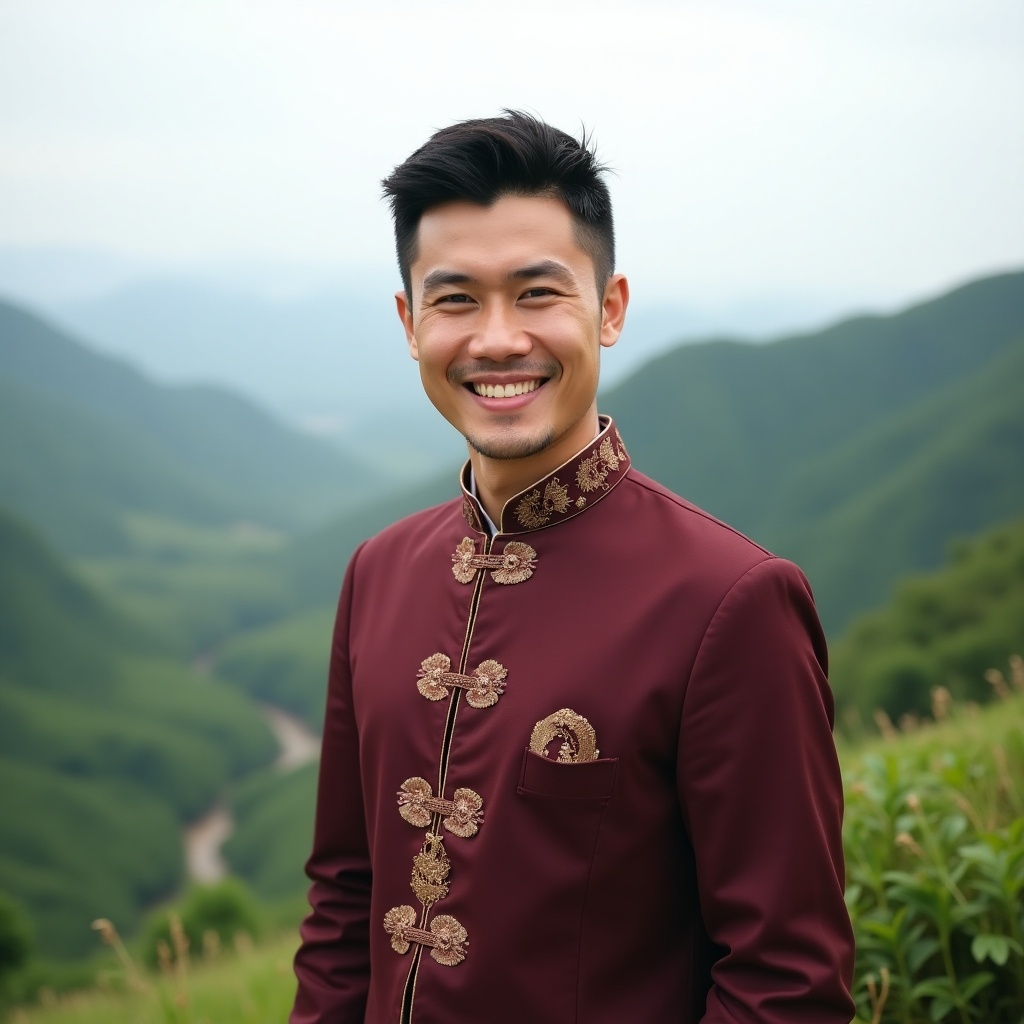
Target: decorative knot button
[446,939]
[463,815]
[515,563]
[483,687]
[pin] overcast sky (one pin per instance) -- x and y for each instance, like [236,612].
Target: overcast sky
[866,148]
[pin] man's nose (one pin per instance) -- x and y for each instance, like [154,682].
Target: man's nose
[500,335]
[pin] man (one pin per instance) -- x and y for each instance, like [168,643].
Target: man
[577,763]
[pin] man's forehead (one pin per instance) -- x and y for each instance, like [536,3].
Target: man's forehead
[511,234]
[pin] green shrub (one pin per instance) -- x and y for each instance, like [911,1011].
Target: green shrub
[934,840]
[224,910]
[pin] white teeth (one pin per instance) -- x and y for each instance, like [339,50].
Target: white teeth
[523,387]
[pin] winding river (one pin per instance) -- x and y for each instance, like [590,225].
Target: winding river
[203,839]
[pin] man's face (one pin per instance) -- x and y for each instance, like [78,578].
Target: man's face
[507,325]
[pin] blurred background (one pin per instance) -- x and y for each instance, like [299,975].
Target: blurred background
[206,401]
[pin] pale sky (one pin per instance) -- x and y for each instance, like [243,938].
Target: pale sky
[845,147]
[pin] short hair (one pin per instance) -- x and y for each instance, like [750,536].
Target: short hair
[483,160]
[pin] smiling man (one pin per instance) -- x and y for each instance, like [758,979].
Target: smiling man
[577,760]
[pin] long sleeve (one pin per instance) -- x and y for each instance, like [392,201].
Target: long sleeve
[761,796]
[333,962]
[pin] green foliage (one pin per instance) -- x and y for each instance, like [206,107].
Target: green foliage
[948,628]
[284,663]
[934,841]
[273,831]
[107,748]
[225,910]
[16,938]
[76,849]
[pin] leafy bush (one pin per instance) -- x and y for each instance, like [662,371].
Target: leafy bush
[934,840]
[225,910]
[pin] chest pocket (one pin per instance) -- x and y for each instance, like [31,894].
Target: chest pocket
[590,781]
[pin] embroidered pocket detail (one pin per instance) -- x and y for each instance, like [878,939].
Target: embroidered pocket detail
[483,687]
[515,563]
[579,741]
[446,939]
[463,815]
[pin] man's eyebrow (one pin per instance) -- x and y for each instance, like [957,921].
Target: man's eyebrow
[444,278]
[545,268]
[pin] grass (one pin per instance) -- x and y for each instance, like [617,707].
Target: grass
[243,985]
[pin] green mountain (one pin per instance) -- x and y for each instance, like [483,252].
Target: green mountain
[949,627]
[106,747]
[858,451]
[86,441]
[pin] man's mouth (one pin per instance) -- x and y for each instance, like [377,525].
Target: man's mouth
[519,387]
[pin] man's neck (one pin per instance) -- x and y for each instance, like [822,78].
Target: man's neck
[497,480]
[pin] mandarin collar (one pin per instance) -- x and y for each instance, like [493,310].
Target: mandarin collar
[569,490]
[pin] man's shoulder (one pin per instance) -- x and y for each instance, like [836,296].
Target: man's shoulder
[420,529]
[657,499]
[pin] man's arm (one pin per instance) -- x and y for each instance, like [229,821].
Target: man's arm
[333,962]
[761,795]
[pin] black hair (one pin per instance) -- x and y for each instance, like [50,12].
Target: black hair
[482,160]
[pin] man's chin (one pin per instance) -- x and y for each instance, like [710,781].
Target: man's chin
[511,446]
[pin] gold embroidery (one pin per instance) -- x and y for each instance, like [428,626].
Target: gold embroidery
[398,923]
[593,471]
[450,940]
[462,561]
[576,733]
[489,684]
[515,563]
[430,869]
[432,676]
[483,687]
[581,502]
[620,446]
[416,803]
[469,513]
[533,512]
[446,938]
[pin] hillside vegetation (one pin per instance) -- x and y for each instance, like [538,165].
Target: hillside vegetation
[108,746]
[946,628]
[87,440]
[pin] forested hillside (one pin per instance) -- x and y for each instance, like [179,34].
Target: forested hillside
[87,441]
[106,747]
[949,628]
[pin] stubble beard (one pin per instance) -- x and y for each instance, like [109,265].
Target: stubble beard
[504,449]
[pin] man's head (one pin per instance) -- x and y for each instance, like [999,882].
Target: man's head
[504,232]
[482,160]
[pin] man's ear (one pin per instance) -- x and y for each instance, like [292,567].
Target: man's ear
[613,309]
[405,315]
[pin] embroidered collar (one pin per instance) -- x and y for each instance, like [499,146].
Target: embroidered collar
[567,491]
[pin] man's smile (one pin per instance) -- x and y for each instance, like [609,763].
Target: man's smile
[510,390]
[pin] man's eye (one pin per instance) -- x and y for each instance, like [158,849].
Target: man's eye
[455,298]
[537,293]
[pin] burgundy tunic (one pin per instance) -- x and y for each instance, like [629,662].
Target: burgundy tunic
[669,850]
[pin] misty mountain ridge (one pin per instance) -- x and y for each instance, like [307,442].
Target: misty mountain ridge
[87,440]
